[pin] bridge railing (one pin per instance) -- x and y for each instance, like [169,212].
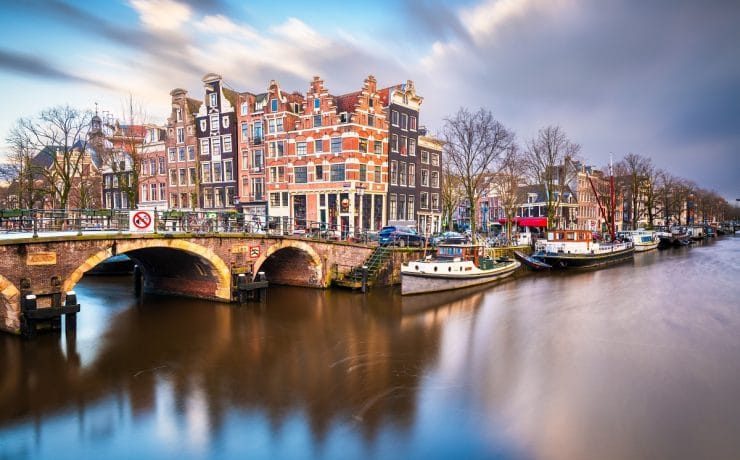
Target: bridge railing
[175,221]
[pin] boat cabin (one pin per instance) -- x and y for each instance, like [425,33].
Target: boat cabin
[564,236]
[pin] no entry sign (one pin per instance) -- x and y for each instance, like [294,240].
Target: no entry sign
[141,221]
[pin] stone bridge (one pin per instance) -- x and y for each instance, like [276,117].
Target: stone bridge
[202,266]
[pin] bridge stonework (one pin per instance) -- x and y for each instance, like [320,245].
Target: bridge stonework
[201,266]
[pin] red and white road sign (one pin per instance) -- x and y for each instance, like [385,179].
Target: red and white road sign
[254,252]
[141,221]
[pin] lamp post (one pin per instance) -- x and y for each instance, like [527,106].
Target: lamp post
[360,189]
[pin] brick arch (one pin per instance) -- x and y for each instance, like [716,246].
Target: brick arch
[301,246]
[223,273]
[9,305]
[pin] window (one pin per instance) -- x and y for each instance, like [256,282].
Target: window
[435,159]
[412,123]
[410,207]
[257,188]
[412,147]
[337,172]
[225,121]
[378,147]
[319,173]
[257,132]
[245,108]
[394,119]
[377,176]
[213,100]
[144,193]
[394,172]
[153,194]
[271,125]
[245,160]
[280,148]
[178,114]
[228,171]
[402,173]
[435,179]
[206,172]
[424,200]
[402,145]
[318,146]
[273,105]
[216,145]
[227,144]
[425,178]
[229,196]
[300,148]
[218,195]
[317,121]
[180,135]
[336,144]
[191,153]
[425,157]
[273,175]
[181,154]
[245,131]
[363,145]
[370,119]
[153,166]
[412,175]
[208,198]
[279,125]
[300,174]
[183,176]
[284,197]
[217,172]
[271,150]
[191,176]
[203,125]
[173,200]
[394,143]
[404,121]
[258,161]
[172,153]
[173,177]
[214,122]
[162,195]
[392,205]
[316,103]
[161,164]
[275,199]
[435,201]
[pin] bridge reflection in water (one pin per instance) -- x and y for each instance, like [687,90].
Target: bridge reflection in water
[617,363]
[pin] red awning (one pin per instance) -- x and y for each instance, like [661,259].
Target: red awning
[528,221]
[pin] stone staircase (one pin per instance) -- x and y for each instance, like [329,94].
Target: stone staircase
[375,263]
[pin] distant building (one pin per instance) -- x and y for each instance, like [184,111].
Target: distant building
[181,144]
[153,170]
[216,132]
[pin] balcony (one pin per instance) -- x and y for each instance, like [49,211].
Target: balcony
[257,140]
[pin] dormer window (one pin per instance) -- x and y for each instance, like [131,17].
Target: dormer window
[273,105]
[178,114]
[245,108]
[213,100]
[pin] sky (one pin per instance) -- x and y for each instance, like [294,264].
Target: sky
[657,78]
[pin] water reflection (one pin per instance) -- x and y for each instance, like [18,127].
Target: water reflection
[635,361]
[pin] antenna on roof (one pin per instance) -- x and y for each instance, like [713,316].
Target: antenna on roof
[96,109]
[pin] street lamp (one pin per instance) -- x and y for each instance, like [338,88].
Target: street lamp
[360,189]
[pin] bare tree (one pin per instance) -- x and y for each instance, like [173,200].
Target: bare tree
[549,159]
[21,173]
[507,183]
[475,143]
[632,172]
[450,194]
[60,135]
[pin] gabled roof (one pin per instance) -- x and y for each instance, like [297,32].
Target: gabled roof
[232,96]
[539,189]
[347,102]
[193,105]
[45,157]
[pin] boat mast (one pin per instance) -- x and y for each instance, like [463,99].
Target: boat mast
[598,200]
[613,198]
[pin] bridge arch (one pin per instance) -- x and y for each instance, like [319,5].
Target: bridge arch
[292,262]
[218,273]
[9,304]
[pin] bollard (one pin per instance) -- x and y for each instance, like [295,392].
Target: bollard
[137,280]
[364,279]
[30,302]
[70,319]
[241,284]
[28,326]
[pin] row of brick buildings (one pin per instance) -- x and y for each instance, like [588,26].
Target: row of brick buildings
[354,161]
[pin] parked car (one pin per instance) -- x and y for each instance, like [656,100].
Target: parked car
[449,238]
[400,236]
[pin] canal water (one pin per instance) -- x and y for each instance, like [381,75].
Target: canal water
[636,361]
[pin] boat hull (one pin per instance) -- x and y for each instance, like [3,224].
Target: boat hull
[581,261]
[642,247]
[418,283]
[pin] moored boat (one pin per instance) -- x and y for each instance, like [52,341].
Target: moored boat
[643,240]
[577,249]
[531,262]
[454,266]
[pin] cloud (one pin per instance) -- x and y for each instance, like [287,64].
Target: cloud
[31,65]
[165,15]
